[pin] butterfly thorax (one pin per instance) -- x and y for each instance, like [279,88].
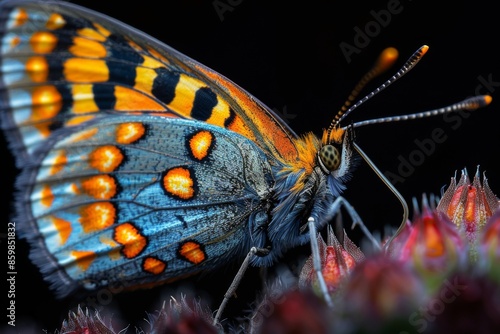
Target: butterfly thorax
[303,164]
[305,187]
[332,154]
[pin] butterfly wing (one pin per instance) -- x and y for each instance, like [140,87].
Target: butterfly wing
[135,200]
[135,158]
[63,65]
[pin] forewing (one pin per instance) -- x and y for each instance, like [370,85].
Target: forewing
[63,65]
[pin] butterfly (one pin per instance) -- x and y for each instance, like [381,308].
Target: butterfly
[141,166]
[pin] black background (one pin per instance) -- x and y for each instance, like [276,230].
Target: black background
[287,54]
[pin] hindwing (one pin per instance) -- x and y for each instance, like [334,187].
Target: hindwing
[140,199]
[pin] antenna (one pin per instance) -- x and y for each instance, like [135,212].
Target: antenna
[386,59]
[471,103]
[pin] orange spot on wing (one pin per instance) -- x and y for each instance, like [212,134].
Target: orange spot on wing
[55,21]
[192,251]
[74,189]
[43,42]
[114,252]
[178,182]
[130,99]
[14,41]
[83,47]
[47,103]
[153,265]
[107,241]
[63,227]
[85,70]
[106,158]
[97,216]
[83,259]
[131,239]
[47,197]
[59,162]
[37,68]
[100,186]
[20,18]
[200,144]
[128,133]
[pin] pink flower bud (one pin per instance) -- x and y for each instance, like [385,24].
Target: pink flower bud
[469,206]
[337,261]
[434,247]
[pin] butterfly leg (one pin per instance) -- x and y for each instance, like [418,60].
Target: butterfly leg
[317,261]
[356,219]
[254,251]
[334,210]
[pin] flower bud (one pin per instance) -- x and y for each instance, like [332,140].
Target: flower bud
[337,261]
[469,206]
[434,247]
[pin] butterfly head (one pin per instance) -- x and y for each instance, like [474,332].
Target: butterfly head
[334,154]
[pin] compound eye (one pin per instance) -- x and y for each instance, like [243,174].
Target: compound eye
[330,157]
